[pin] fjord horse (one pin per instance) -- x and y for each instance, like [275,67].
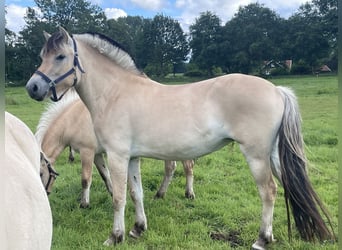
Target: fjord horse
[134,116]
[68,123]
[27,218]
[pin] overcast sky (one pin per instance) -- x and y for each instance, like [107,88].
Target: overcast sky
[185,11]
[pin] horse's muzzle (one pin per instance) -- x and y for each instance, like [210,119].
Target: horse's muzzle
[35,91]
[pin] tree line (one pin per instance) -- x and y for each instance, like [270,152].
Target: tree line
[255,35]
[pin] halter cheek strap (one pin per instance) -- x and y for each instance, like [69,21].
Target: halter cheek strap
[52,175]
[52,83]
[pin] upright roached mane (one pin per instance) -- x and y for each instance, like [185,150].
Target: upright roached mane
[112,49]
[52,111]
[134,116]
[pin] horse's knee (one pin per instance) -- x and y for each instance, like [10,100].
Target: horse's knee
[170,167]
[188,166]
[119,203]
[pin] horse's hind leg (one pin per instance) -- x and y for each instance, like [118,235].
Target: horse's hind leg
[259,164]
[136,192]
[71,154]
[188,166]
[170,167]
[87,158]
[103,171]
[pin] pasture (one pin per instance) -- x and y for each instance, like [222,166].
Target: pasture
[226,211]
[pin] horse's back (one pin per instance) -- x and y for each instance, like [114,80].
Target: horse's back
[27,215]
[198,118]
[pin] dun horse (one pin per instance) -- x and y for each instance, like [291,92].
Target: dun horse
[27,219]
[134,116]
[68,123]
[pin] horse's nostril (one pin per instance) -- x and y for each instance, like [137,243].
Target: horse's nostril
[35,88]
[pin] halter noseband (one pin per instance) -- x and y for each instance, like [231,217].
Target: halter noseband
[52,174]
[52,83]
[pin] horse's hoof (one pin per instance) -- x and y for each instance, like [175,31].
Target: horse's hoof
[190,195]
[137,231]
[84,205]
[113,240]
[258,246]
[159,195]
[108,242]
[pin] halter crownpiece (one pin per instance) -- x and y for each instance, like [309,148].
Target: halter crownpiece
[52,83]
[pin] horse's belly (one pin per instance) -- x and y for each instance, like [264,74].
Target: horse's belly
[179,149]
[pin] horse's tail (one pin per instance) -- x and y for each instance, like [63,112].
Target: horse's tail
[298,191]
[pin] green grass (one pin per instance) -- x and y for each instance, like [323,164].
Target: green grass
[226,201]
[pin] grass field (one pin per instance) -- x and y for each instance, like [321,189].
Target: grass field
[227,202]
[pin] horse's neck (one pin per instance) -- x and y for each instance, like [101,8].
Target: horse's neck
[52,143]
[101,80]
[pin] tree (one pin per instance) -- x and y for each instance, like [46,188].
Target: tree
[128,31]
[308,41]
[252,36]
[164,44]
[205,39]
[328,11]
[75,16]
[22,53]
[11,40]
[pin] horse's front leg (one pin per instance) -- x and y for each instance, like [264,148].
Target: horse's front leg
[136,192]
[118,168]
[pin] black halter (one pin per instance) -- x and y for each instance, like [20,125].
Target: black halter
[52,174]
[52,83]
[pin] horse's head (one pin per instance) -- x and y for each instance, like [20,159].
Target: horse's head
[60,69]
[47,174]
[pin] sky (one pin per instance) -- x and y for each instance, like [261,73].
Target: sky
[185,11]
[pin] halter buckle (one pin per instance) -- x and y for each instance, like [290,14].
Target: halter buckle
[52,84]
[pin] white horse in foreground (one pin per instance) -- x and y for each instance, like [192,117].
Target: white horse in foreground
[135,116]
[25,206]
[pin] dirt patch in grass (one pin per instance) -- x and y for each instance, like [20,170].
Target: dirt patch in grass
[232,237]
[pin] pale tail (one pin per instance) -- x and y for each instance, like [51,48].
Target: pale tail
[299,193]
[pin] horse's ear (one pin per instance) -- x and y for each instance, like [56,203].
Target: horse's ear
[64,32]
[46,35]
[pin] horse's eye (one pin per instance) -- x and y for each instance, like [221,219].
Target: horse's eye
[60,57]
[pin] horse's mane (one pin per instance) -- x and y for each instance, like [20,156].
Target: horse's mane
[110,48]
[52,111]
